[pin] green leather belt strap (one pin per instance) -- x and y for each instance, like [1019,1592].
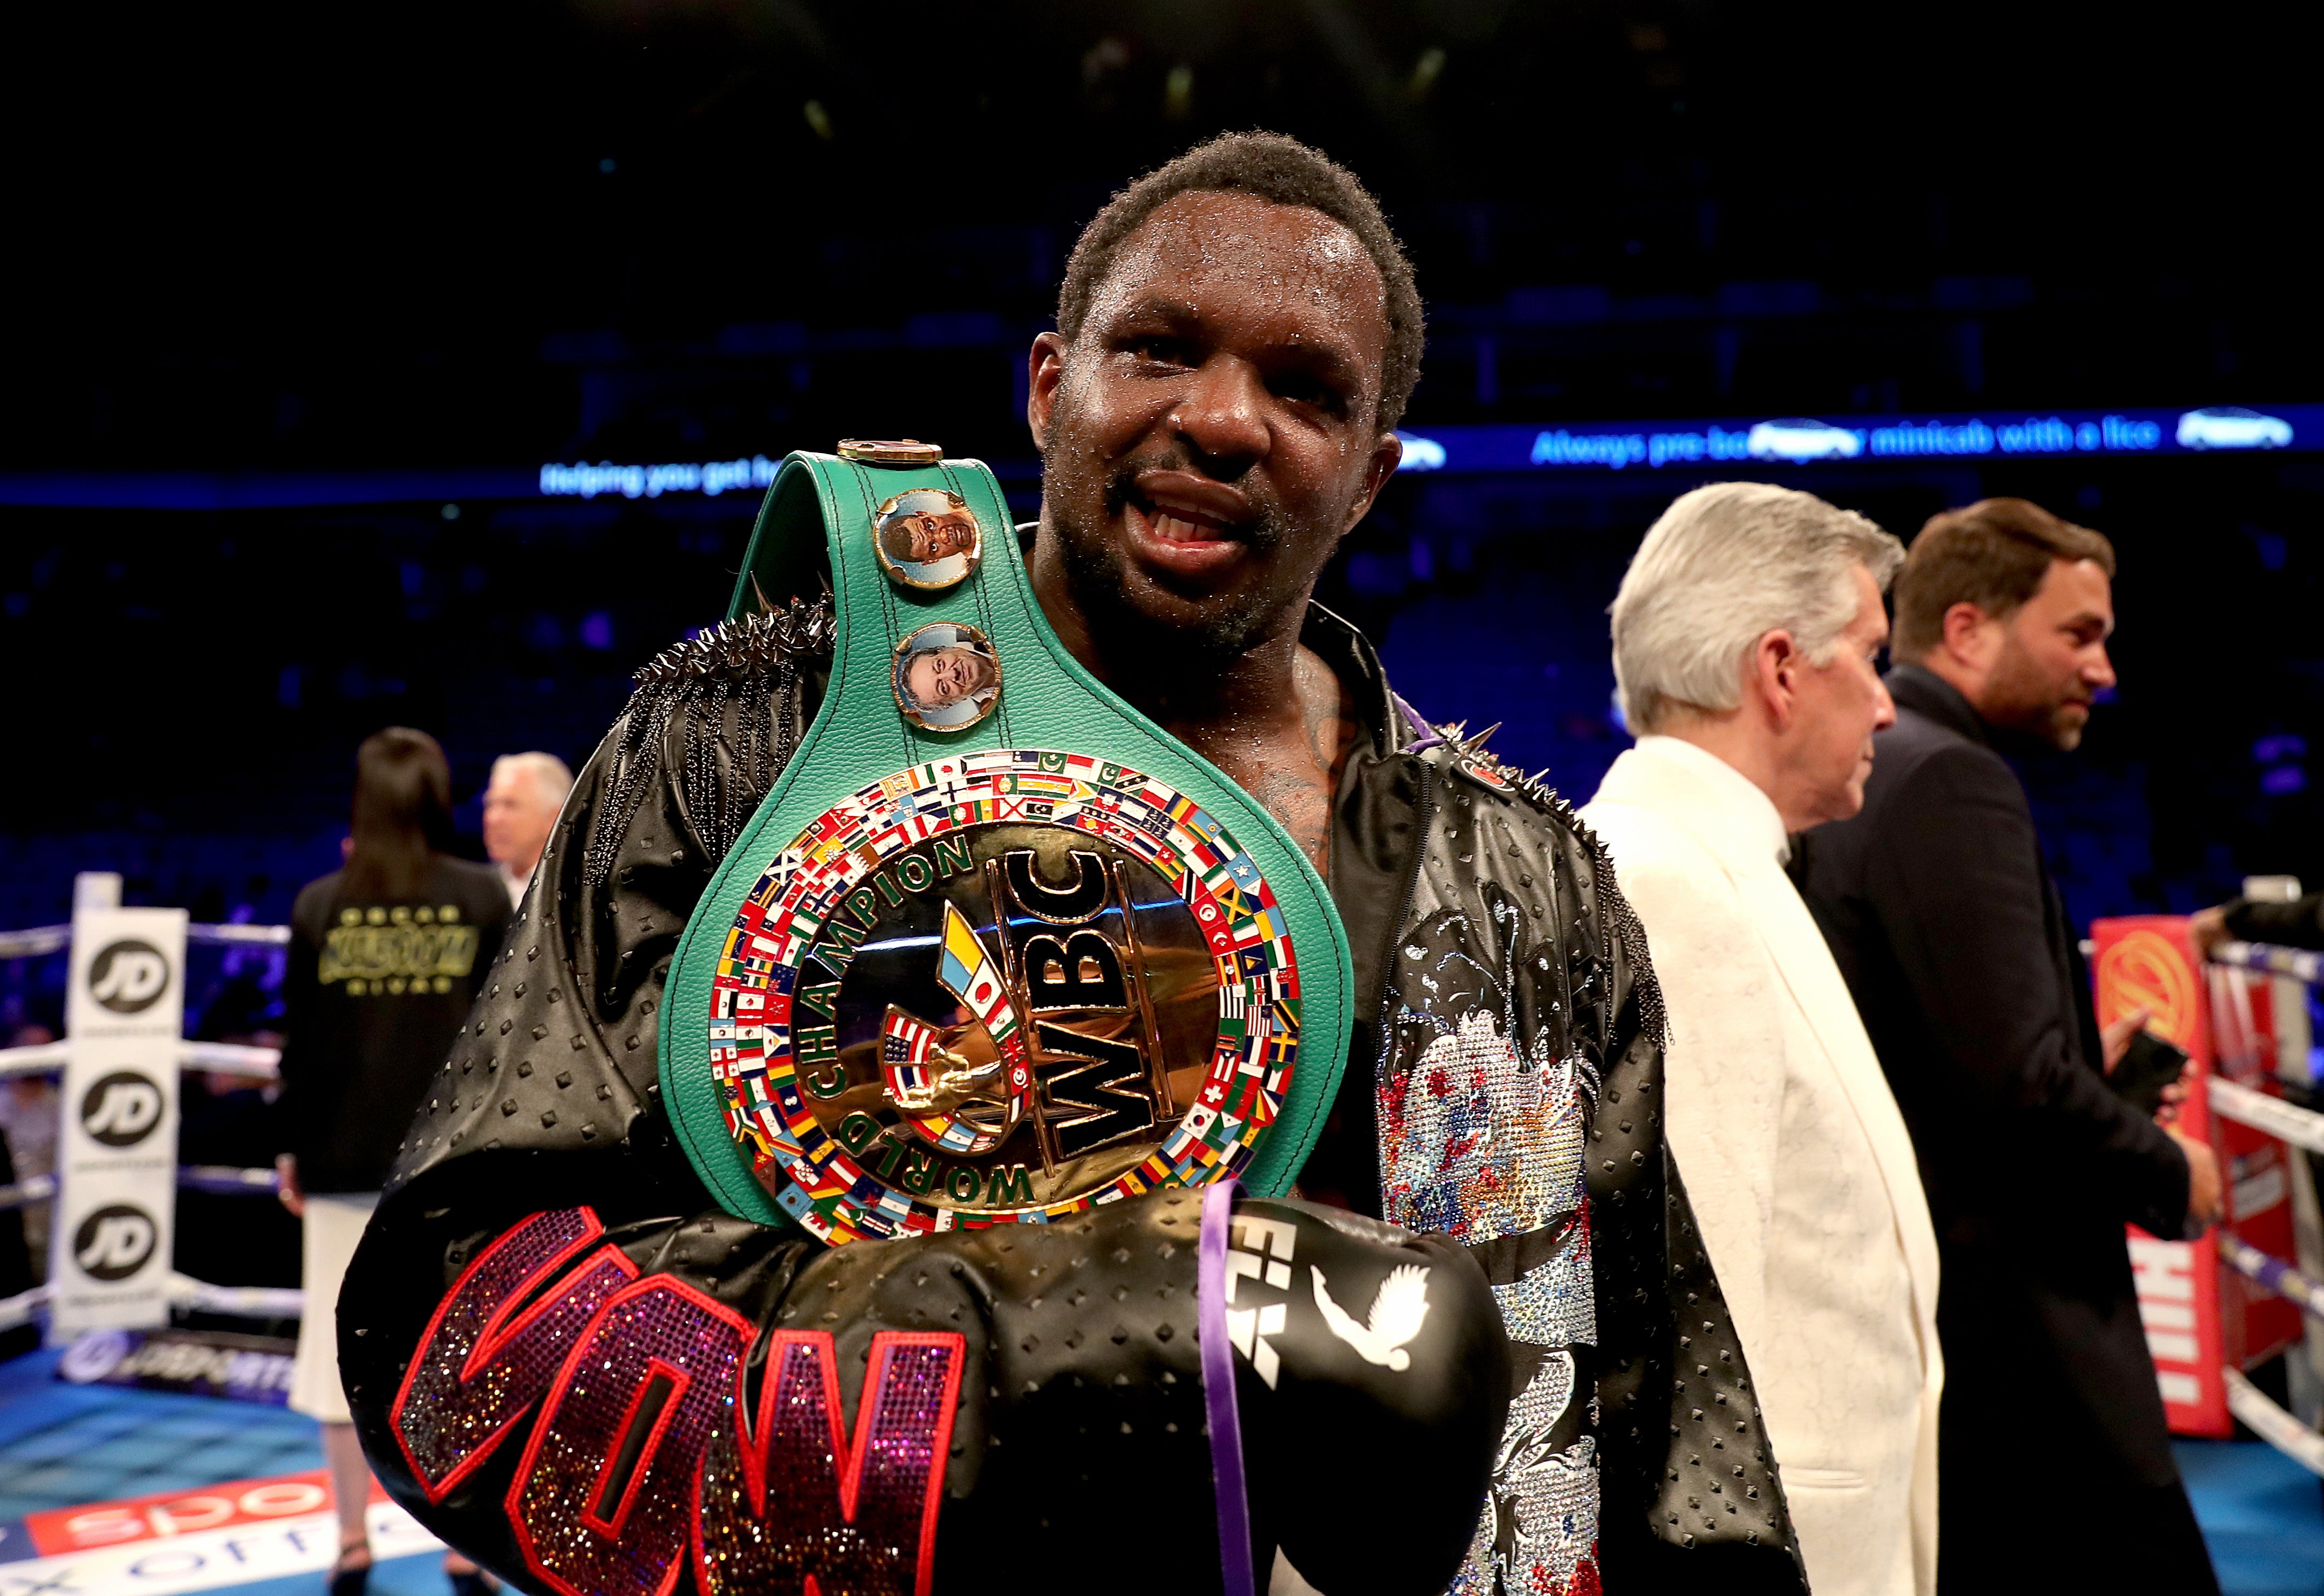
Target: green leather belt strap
[860,748]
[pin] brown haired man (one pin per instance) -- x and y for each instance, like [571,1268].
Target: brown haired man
[2053,1455]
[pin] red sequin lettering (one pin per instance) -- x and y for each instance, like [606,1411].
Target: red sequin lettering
[602,1502]
[482,1364]
[637,1439]
[778,1514]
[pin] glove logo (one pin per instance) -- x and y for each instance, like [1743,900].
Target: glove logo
[1398,1309]
[1003,986]
[1248,1325]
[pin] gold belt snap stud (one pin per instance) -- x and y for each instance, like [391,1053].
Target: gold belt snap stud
[890,451]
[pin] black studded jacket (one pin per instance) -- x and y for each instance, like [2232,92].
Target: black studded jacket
[1480,912]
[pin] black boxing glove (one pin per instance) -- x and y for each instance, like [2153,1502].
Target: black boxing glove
[1373,1379]
[596,1411]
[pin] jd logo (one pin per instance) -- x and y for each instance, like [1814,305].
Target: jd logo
[121,1109]
[114,1243]
[127,976]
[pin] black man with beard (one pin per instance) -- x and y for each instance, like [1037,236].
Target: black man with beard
[1238,334]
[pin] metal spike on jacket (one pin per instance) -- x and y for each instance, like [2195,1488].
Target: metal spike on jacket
[1537,786]
[709,695]
[747,646]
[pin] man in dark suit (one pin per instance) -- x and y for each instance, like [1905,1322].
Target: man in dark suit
[2054,1462]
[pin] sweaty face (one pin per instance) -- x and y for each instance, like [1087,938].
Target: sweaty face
[946,675]
[2052,663]
[1212,432]
[1841,703]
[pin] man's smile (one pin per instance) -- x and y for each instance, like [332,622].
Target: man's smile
[1187,523]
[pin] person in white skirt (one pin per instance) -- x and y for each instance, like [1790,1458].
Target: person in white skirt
[387,955]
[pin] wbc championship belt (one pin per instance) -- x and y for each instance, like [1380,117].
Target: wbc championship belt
[995,948]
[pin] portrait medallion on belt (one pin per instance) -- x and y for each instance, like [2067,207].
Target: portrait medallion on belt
[928,539]
[946,677]
[1002,988]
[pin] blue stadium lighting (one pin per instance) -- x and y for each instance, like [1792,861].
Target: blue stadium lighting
[709,478]
[1729,446]
[1420,454]
[2232,427]
[1797,440]
[1655,446]
[1805,441]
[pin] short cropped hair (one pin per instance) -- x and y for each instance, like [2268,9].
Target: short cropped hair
[1723,566]
[552,776]
[1282,171]
[1993,555]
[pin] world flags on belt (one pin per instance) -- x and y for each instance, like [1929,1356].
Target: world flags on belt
[905,1044]
[968,972]
[908,1045]
[752,1057]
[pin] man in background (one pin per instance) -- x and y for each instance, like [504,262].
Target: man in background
[2055,1461]
[520,805]
[29,1119]
[28,1151]
[1745,637]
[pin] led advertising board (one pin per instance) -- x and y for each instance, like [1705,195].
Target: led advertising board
[1655,446]
[1730,446]
[1791,441]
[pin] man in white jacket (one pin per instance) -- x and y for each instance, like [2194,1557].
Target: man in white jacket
[1745,637]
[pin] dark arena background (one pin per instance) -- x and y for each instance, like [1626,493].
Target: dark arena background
[423,364]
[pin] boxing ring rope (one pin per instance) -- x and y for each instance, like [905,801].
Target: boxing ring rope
[38,1059]
[253,1302]
[245,1302]
[223,1179]
[32,943]
[2273,1273]
[2272,1425]
[227,1057]
[2296,1126]
[2286,1121]
[2298,962]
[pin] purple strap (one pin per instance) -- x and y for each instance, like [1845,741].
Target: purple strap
[1428,737]
[1219,1391]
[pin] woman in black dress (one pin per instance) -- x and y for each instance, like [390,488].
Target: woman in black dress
[387,955]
